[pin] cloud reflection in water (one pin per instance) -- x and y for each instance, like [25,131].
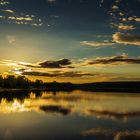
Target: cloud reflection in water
[99,105]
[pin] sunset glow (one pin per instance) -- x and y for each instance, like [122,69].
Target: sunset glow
[47,40]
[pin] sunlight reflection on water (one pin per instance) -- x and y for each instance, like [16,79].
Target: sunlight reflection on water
[80,114]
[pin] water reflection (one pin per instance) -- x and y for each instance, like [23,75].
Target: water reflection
[104,105]
[85,115]
[55,109]
[111,134]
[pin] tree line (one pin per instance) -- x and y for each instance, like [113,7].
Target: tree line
[21,82]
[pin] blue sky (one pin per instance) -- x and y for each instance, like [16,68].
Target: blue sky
[101,39]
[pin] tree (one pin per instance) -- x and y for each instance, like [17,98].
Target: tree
[1,81]
[10,81]
[38,83]
[22,82]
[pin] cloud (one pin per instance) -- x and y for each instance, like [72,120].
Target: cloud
[114,60]
[69,64]
[21,18]
[74,69]
[9,11]
[122,19]
[134,19]
[115,7]
[25,20]
[127,39]
[57,74]
[62,63]
[2,17]
[126,27]
[11,16]
[56,64]
[68,73]
[4,2]
[96,44]
[52,64]
[137,19]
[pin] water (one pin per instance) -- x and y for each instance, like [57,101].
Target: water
[77,115]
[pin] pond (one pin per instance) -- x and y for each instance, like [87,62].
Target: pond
[77,115]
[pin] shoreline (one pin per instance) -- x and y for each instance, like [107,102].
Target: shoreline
[124,90]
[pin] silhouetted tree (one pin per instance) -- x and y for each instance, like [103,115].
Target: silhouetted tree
[10,81]
[38,83]
[22,82]
[1,82]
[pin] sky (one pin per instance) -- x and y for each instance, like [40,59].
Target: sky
[77,41]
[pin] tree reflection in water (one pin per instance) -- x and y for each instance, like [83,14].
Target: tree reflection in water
[93,107]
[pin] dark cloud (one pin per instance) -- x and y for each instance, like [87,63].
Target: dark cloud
[114,60]
[62,63]
[58,74]
[66,63]
[126,39]
[56,64]
[34,73]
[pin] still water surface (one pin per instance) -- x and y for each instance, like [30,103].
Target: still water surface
[76,115]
